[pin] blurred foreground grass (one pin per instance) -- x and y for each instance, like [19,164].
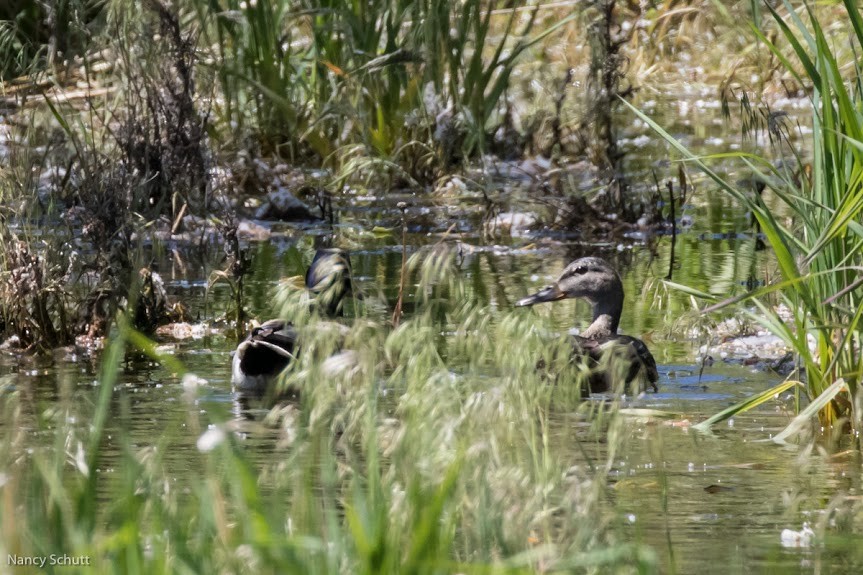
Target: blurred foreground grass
[428,449]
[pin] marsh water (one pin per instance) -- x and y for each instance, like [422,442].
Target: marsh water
[729,494]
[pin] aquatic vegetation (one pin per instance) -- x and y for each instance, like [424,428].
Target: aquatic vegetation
[819,251]
[34,35]
[114,166]
[390,93]
[263,81]
[33,304]
[604,82]
[162,137]
[416,85]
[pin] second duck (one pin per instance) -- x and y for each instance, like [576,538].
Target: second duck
[270,347]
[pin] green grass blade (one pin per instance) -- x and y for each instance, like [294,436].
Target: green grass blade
[853,9]
[805,417]
[746,405]
[689,290]
[804,58]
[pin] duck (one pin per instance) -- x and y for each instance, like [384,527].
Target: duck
[329,279]
[607,352]
[270,347]
[263,355]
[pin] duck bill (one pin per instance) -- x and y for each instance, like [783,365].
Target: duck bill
[550,293]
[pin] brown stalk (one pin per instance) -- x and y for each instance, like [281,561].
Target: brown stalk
[397,312]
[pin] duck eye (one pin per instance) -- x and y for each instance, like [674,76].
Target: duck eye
[581,270]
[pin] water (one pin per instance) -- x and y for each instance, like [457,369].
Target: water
[727,496]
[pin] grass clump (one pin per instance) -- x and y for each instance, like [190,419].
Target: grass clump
[401,88]
[34,35]
[101,171]
[819,250]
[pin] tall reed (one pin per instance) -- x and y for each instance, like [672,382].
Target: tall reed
[820,251]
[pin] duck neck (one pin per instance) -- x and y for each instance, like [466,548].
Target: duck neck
[606,317]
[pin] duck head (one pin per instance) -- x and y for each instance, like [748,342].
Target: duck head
[594,280]
[330,279]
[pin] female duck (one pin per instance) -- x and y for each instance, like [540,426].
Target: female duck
[268,349]
[608,352]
